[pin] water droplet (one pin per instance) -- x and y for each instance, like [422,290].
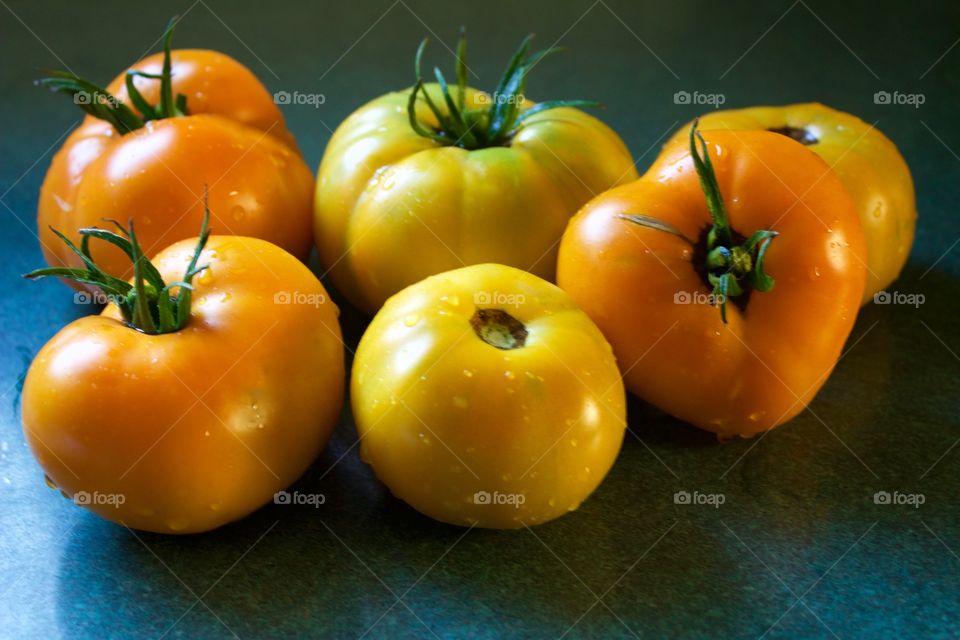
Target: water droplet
[509,374]
[425,439]
[65,206]
[468,373]
[238,212]
[573,442]
[177,524]
[460,402]
[411,319]
[552,502]
[453,301]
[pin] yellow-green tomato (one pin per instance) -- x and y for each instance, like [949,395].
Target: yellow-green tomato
[393,207]
[485,397]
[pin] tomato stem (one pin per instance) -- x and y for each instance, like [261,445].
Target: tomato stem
[481,127]
[731,268]
[101,104]
[499,329]
[147,305]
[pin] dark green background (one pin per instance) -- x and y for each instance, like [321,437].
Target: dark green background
[799,549]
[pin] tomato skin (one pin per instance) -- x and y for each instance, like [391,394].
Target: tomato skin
[172,422]
[866,161]
[637,283]
[443,415]
[382,190]
[234,142]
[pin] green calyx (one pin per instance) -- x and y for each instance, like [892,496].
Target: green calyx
[733,265]
[489,125]
[100,103]
[147,305]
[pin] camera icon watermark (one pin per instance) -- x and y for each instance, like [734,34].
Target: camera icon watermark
[897,498]
[95,97]
[496,498]
[299,297]
[500,98]
[896,297]
[488,298]
[296,498]
[315,100]
[96,499]
[698,297]
[96,298]
[696,498]
[899,98]
[715,100]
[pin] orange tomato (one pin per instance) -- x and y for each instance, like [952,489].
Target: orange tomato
[654,297]
[866,161]
[233,140]
[183,431]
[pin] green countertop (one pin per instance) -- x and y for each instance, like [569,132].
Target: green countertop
[799,548]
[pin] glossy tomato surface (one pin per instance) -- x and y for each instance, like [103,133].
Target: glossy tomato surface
[471,433]
[393,207]
[646,290]
[192,429]
[868,164]
[233,143]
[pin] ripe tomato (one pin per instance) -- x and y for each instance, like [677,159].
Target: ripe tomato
[426,180]
[183,431]
[121,163]
[865,160]
[646,265]
[484,396]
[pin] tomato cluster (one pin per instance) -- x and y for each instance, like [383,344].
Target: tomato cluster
[720,286]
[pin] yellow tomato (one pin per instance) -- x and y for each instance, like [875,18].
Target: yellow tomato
[866,161]
[400,197]
[484,396]
[183,431]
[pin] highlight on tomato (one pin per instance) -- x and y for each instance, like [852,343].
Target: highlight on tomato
[485,397]
[727,278]
[435,177]
[151,141]
[868,164]
[211,381]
